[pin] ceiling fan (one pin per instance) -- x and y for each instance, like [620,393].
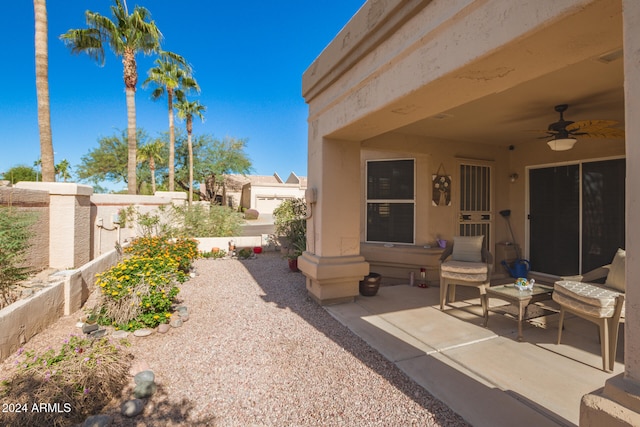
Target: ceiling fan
[563,132]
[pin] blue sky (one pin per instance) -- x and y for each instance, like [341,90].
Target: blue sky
[248,58]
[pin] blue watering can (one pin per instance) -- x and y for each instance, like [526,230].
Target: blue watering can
[520,268]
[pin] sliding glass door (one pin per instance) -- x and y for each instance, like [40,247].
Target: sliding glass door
[576,216]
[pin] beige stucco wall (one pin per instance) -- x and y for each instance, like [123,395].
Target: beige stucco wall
[37,202]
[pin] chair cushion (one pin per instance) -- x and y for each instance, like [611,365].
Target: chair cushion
[589,298]
[462,270]
[467,248]
[616,277]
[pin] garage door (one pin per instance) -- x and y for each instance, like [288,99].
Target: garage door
[266,205]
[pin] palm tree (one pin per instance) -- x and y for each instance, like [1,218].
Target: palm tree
[127,35]
[152,152]
[63,169]
[186,111]
[172,75]
[42,90]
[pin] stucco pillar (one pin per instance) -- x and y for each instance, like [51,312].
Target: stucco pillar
[69,222]
[332,263]
[618,404]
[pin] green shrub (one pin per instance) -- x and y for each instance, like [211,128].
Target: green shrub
[290,222]
[15,232]
[206,221]
[79,380]
[184,251]
[139,292]
[221,253]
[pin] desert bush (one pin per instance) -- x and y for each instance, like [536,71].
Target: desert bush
[15,233]
[74,382]
[290,223]
[206,221]
[139,291]
[182,250]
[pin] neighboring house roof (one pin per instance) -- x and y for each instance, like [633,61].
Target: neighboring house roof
[265,180]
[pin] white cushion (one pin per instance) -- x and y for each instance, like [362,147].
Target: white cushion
[464,271]
[589,298]
[616,277]
[467,248]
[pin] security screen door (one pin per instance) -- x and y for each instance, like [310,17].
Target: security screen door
[475,217]
[576,216]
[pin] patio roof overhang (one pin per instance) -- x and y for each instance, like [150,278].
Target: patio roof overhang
[499,97]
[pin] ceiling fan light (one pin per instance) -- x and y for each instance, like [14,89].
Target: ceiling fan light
[561,144]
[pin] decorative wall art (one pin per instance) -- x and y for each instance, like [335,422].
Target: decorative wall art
[441,187]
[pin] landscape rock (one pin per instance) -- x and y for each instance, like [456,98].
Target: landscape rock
[98,421]
[142,332]
[184,317]
[88,328]
[98,333]
[182,309]
[144,376]
[137,367]
[131,408]
[176,322]
[120,334]
[145,389]
[163,328]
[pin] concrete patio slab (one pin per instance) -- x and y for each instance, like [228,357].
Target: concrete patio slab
[484,374]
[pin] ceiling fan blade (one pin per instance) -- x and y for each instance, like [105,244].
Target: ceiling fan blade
[604,133]
[591,125]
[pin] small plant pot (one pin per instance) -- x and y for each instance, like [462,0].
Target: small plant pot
[370,285]
[293,264]
[257,250]
[215,250]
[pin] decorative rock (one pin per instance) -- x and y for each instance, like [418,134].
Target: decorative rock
[87,328]
[138,366]
[131,408]
[163,328]
[145,389]
[144,376]
[98,421]
[79,324]
[98,333]
[120,334]
[142,332]
[182,309]
[184,317]
[176,322]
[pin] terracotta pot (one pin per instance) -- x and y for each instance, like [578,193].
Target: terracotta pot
[215,250]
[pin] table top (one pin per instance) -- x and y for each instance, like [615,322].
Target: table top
[510,290]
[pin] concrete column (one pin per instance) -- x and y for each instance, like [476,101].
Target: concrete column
[332,263]
[69,222]
[618,404]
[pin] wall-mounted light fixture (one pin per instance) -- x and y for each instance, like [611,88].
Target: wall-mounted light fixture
[513,177]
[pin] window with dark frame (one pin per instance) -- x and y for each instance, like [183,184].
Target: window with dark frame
[390,201]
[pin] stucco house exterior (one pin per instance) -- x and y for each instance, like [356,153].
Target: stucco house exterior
[261,192]
[425,118]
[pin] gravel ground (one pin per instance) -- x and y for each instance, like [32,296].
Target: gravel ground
[257,351]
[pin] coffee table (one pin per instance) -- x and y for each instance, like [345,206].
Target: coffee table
[520,299]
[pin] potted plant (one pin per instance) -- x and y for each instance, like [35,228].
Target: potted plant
[291,229]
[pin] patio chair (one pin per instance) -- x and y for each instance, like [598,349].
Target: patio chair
[602,304]
[470,264]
